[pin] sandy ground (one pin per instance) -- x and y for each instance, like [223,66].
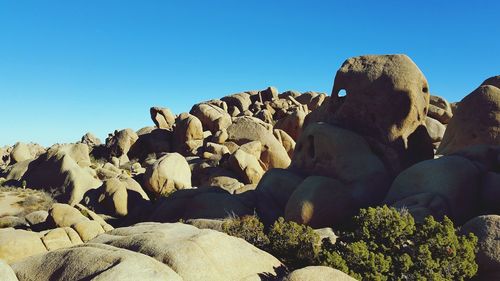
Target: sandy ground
[10,203]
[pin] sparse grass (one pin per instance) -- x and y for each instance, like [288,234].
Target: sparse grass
[33,200]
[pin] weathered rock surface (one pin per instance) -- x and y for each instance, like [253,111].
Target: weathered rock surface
[487,229]
[187,249]
[318,273]
[66,168]
[162,117]
[92,262]
[476,121]
[169,173]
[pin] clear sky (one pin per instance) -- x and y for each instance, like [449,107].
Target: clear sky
[68,67]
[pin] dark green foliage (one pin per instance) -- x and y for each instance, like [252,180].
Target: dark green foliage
[248,228]
[296,245]
[386,244]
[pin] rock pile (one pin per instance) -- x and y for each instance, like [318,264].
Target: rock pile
[310,158]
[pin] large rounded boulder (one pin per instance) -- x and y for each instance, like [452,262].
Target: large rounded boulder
[169,173]
[476,121]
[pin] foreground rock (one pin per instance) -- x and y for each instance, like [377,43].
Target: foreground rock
[194,254]
[6,272]
[487,229]
[318,273]
[92,262]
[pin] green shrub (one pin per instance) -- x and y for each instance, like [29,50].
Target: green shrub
[386,244]
[248,228]
[294,244]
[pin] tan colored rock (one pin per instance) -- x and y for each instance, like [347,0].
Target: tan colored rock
[477,121]
[321,201]
[93,262]
[61,238]
[318,273]
[162,117]
[493,81]
[16,244]
[445,186]
[246,129]
[246,165]
[435,129]
[487,230]
[188,134]
[292,123]
[91,140]
[440,109]
[187,249]
[120,142]
[20,152]
[286,141]
[66,168]
[6,272]
[208,203]
[37,217]
[87,230]
[213,118]
[63,215]
[274,190]
[227,183]
[155,142]
[240,101]
[387,99]
[169,173]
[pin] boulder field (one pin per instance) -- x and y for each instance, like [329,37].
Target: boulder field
[379,138]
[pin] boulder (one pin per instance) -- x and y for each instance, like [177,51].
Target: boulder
[20,152]
[292,123]
[206,203]
[487,230]
[92,262]
[286,141]
[188,134]
[274,190]
[318,273]
[162,117]
[169,173]
[117,196]
[91,140]
[330,151]
[445,186]
[241,101]
[493,81]
[120,142]
[476,121]
[247,166]
[62,237]
[6,272]
[65,168]
[320,202]
[490,193]
[16,244]
[187,249]
[63,215]
[440,109]
[435,129]
[245,129]
[386,100]
[212,117]
[37,217]
[155,142]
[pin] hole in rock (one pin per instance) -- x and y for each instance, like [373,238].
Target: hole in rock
[425,89]
[342,93]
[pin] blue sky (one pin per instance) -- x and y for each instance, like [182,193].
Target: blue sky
[68,67]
